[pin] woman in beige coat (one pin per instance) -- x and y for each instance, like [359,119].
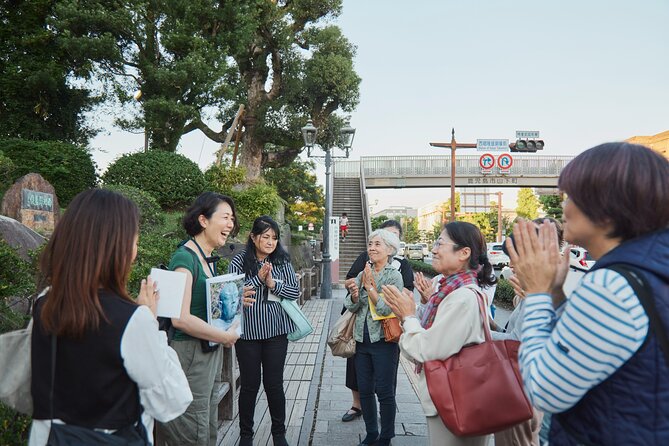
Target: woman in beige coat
[450,319]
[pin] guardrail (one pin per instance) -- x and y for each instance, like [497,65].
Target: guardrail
[310,281]
[440,165]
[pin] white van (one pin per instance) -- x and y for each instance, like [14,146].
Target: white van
[415,252]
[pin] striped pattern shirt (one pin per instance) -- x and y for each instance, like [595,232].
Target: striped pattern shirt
[565,352]
[266,319]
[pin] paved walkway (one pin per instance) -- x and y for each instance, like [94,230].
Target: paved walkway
[316,397]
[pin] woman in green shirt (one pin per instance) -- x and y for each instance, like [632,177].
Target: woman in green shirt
[376,360]
[209,221]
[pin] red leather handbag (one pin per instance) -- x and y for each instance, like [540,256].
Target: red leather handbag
[479,390]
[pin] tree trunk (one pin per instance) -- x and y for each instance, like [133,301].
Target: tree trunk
[251,154]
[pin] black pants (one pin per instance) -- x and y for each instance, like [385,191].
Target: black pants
[271,355]
[376,365]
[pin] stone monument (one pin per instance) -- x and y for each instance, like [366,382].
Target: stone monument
[33,202]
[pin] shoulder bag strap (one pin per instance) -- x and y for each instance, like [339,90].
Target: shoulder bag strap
[644,292]
[484,314]
[53,375]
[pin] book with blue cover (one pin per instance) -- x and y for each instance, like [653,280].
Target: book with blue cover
[225,302]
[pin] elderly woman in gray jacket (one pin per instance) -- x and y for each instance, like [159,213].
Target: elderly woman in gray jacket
[376,360]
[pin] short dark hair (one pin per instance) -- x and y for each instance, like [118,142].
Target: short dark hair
[467,235]
[623,184]
[558,228]
[392,224]
[206,204]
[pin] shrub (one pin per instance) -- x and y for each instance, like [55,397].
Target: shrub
[6,173]
[69,168]
[17,280]
[251,200]
[423,267]
[504,292]
[156,245]
[149,209]
[172,179]
[224,178]
[14,427]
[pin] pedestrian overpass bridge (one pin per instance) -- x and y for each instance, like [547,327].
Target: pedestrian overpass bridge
[383,172]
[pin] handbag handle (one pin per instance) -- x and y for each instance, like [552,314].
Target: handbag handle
[484,315]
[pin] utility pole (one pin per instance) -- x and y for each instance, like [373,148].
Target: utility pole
[453,145]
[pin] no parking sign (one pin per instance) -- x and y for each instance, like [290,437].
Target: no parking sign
[487,162]
[504,162]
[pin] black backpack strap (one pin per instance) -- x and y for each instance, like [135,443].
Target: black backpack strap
[644,293]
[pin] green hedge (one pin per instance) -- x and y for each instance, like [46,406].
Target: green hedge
[504,292]
[70,169]
[172,179]
[422,267]
[149,209]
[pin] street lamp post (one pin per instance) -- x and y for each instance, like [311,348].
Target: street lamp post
[309,133]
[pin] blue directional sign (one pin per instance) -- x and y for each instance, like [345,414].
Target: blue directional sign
[492,145]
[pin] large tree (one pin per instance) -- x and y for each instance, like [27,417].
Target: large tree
[174,51]
[552,205]
[193,57]
[40,98]
[528,204]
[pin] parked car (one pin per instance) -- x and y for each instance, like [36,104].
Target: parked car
[426,249]
[415,252]
[402,251]
[496,256]
[580,259]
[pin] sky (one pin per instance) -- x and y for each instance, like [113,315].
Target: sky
[580,72]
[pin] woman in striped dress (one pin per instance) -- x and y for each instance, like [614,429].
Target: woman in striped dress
[264,343]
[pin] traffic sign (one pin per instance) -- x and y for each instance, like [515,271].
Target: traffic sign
[487,162]
[525,134]
[492,145]
[310,227]
[504,162]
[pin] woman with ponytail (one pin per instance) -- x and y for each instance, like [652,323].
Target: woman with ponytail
[450,319]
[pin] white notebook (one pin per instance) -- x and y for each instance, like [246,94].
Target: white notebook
[171,288]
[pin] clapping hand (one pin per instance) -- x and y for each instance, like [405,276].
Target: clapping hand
[368,278]
[424,287]
[401,303]
[352,288]
[265,275]
[535,257]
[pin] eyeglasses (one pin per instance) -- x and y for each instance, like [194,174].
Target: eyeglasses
[439,242]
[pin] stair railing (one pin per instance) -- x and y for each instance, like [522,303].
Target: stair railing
[365,207]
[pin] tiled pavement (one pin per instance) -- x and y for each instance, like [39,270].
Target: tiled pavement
[334,399]
[316,397]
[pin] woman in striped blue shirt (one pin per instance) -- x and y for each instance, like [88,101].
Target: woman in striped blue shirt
[594,359]
[264,343]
